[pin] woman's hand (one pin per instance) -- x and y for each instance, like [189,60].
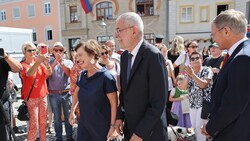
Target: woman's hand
[189,70]
[119,126]
[111,133]
[40,58]
[71,118]
[47,57]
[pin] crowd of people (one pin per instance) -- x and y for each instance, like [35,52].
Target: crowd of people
[129,94]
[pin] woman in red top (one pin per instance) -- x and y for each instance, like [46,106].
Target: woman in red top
[35,71]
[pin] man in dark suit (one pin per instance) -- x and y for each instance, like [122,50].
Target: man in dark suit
[143,87]
[230,98]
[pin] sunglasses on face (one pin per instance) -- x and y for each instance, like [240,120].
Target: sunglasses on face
[31,50]
[194,58]
[56,50]
[193,47]
[104,53]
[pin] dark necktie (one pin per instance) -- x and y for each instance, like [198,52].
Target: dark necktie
[225,59]
[129,65]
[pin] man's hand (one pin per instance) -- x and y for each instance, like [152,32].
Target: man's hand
[135,138]
[119,126]
[58,58]
[215,70]
[204,131]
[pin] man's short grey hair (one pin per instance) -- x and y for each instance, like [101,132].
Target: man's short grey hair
[234,19]
[111,41]
[132,19]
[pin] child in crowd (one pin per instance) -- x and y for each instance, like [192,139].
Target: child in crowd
[177,95]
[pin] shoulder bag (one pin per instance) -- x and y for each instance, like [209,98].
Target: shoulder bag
[23,114]
[205,106]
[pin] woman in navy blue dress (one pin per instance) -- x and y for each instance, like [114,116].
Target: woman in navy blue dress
[96,95]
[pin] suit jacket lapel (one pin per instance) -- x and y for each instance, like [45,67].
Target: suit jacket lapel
[137,61]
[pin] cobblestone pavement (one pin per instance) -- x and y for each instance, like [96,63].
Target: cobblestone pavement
[22,125]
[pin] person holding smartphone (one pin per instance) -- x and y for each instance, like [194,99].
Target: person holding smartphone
[7,63]
[35,71]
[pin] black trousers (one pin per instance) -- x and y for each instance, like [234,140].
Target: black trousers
[4,129]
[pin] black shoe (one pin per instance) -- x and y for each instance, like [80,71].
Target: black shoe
[17,131]
[70,139]
[58,140]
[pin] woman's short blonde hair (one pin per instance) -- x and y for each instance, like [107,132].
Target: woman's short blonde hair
[106,48]
[26,45]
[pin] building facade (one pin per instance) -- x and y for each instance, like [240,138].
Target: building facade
[42,16]
[66,21]
[100,23]
[188,18]
[191,18]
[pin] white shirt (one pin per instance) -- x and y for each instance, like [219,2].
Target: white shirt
[232,48]
[135,51]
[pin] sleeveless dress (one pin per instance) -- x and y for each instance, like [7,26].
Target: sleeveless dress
[184,119]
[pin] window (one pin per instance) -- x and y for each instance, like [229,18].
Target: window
[221,8]
[47,8]
[73,42]
[104,10]
[73,14]
[48,34]
[187,14]
[204,14]
[31,10]
[16,13]
[103,39]
[149,37]
[34,36]
[3,15]
[145,7]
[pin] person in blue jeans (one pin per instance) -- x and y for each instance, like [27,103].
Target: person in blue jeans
[58,92]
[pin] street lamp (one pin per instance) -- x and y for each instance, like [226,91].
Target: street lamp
[104,25]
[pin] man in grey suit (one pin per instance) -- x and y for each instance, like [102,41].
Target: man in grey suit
[143,83]
[230,97]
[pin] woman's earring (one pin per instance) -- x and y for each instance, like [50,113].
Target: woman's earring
[92,61]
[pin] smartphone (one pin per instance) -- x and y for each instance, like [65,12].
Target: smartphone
[1,52]
[44,49]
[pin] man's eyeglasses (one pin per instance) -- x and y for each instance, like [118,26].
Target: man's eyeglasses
[104,53]
[56,50]
[31,50]
[193,47]
[118,31]
[212,34]
[194,58]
